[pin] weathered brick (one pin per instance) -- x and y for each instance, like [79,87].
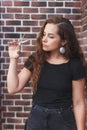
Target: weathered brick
[1,22]
[22,16]
[30,10]
[22,114]
[7,16]
[73,4]
[30,23]
[38,4]
[64,10]
[23,29]
[7,3]
[16,109]
[12,35]
[26,48]
[55,4]
[7,102]
[19,103]
[8,126]
[8,114]
[2,10]
[19,127]
[14,10]
[14,120]
[46,10]
[8,29]
[38,16]
[76,10]
[19,3]
[14,22]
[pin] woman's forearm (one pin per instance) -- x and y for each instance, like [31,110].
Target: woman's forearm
[12,77]
[80,116]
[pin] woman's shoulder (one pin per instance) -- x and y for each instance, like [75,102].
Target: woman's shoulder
[76,61]
[31,57]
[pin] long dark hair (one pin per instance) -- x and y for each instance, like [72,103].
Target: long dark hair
[66,32]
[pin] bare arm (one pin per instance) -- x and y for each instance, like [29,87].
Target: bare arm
[79,103]
[15,81]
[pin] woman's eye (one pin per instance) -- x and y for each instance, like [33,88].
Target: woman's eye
[43,34]
[51,36]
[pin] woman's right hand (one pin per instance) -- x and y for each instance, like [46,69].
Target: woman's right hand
[14,49]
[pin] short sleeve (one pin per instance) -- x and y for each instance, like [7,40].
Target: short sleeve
[78,70]
[29,63]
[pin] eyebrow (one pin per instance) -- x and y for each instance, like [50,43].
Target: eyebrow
[50,33]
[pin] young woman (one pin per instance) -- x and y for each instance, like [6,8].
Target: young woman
[57,72]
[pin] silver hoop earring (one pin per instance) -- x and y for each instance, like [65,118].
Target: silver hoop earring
[62,50]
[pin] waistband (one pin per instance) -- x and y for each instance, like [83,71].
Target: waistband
[55,110]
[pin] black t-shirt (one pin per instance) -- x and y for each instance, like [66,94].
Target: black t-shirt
[55,83]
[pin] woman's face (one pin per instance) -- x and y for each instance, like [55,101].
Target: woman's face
[51,41]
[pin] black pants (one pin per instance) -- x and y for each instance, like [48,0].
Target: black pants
[42,118]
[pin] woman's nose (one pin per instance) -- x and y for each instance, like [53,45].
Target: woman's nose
[44,39]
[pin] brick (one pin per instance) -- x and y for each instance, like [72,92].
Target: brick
[47,10]
[8,114]
[19,3]
[7,3]
[30,35]
[59,10]
[23,29]
[1,48]
[55,4]
[27,109]
[51,15]
[85,27]
[76,23]
[38,16]
[30,10]
[26,96]
[15,120]
[12,96]
[12,35]
[1,22]
[14,109]
[26,90]
[22,103]
[76,10]
[22,114]
[14,10]
[8,103]
[19,127]
[8,126]
[7,16]
[73,4]
[35,29]
[1,35]
[22,16]
[30,23]
[3,108]
[28,48]
[8,29]
[38,4]
[2,10]
[14,22]
[73,17]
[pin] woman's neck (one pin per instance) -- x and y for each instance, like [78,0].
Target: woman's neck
[57,58]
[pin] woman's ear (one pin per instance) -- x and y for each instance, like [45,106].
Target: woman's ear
[64,42]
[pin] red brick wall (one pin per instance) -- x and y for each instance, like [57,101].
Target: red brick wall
[84,26]
[26,17]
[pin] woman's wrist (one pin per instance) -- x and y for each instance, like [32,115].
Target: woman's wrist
[13,59]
